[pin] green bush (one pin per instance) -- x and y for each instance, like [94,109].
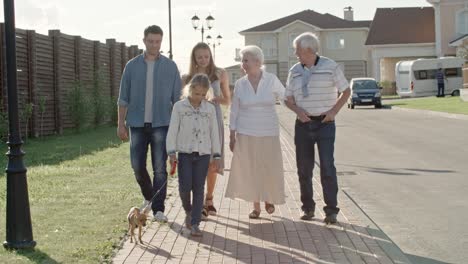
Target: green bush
[25,116]
[42,109]
[99,104]
[112,110]
[78,106]
[385,84]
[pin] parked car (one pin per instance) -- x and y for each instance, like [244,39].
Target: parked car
[365,91]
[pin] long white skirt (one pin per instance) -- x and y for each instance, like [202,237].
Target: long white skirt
[256,170]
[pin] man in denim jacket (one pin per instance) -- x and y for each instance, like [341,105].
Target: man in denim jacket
[149,88]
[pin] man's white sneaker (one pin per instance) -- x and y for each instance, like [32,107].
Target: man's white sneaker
[160,217]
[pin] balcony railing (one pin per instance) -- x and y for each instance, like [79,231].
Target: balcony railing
[268,53]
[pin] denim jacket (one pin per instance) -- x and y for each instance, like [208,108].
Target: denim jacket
[192,127]
[166,90]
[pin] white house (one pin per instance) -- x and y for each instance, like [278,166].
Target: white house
[417,32]
[340,39]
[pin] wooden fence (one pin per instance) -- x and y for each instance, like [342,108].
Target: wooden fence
[47,67]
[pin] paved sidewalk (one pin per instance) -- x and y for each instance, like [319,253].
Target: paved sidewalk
[231,237]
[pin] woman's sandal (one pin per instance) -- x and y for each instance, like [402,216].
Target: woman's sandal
[270,208]
[209,206]
[204,216]
[254,214]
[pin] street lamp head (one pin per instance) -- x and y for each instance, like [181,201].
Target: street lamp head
[208,39]
[209,21]
[195,21]
[219,39]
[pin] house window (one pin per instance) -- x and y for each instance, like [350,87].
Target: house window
[292,36]
[462,22]
[268,46]
[235,77]
[335,41]
[271,68]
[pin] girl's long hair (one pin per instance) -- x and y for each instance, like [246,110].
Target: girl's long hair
[212,70]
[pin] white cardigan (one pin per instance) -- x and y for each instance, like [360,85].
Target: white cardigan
[193,130]
[254,114]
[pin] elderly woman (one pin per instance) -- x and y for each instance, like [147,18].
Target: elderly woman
[257,166]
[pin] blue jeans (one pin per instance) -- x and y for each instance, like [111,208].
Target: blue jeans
[140,139]
[192,174]
[306,136]
[440,89]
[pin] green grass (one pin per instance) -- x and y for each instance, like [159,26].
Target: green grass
[80,189]
[449,104]
[395,96]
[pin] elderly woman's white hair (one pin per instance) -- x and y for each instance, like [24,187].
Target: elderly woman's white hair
[254,51]
[307,40]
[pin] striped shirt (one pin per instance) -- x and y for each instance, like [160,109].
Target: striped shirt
[326,80]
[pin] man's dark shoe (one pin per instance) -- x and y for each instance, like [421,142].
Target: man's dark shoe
[188,220]
[330,219]
[308,215]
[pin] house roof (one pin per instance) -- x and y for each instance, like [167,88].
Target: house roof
[323,21]
[402,26]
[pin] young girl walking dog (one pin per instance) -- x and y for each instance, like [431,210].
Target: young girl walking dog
[193,136]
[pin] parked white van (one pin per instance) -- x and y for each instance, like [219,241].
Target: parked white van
[418,77]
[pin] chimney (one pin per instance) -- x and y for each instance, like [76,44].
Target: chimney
[348,13]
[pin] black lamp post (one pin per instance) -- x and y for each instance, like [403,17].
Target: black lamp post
[18,217]
[216,42]
[170,31]
[209,24]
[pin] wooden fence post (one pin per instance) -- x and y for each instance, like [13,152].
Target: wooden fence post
[55,34]
[111,45]
[124,56]
[78,70]
[32,83]
[97,57]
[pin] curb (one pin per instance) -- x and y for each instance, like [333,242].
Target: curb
[432,113]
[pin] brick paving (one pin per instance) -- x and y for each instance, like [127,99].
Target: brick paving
[231,237]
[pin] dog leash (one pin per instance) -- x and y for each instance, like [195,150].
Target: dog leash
[156,194]
[173,168]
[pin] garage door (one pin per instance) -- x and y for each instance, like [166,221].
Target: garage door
[354,69]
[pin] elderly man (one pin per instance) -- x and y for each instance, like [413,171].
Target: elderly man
[312,90]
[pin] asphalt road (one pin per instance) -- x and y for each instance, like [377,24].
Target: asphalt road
[409,172]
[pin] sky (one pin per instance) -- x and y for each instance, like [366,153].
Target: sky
[126,20]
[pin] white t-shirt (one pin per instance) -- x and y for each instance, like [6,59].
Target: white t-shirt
[149,92]
[254,114]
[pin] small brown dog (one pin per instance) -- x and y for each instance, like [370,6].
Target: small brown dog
[136,218]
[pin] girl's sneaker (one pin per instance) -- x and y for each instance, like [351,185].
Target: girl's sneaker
[196,232]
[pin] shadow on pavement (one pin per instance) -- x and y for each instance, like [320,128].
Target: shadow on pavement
[399,171]
[308,245]
[421,260]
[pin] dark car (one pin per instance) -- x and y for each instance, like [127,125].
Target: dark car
[365,91]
